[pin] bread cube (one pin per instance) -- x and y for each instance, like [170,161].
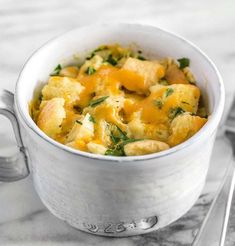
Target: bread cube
[96,148]
[67,88]
[71,72]
[149,70]
[51,116]
[144,147]
[136,128]
[95,62]
[83,130]
[183,127]
[185,96]
[174,75]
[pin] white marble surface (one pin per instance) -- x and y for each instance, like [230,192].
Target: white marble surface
[25,25]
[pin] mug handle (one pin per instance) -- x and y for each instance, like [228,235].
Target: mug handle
[14,167]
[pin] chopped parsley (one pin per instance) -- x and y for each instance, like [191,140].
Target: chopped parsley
[130,140]
[168,92]
[103,47]
[119,139]
[92,119]
[93,53]
[56,71]
[111,60]
[122,134]
[90,70]
[79,122]
[184,62]
[141,58]
[115,152]
[158,103]
[163,82]
[185,102]
[118,149]
[94,103]
[114,139]
[175,112]
[90,56]
[116,134]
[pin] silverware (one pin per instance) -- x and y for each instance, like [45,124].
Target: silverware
[214,227]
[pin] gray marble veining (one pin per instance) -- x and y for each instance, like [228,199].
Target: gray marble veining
[25,25]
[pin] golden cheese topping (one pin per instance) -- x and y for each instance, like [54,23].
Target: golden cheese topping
[119,103]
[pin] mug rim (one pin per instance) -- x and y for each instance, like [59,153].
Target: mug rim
[207,129]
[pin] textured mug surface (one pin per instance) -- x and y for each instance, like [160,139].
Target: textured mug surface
[118,196]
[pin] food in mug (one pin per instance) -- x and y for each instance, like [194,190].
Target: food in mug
[120,103]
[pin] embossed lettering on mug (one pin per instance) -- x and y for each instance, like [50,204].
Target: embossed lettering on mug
[91,227]
[120,227]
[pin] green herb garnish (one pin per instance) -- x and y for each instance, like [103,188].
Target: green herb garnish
[90,56]
[122,134]
[158,103]
[141,58]
[79,122]
[111,60]
[119,139]
[175,112]
[115,152]
[117,135]
[185,102]
[94,103]
[114,139]
[92,119]
[56,71]
[103,47]
[184,62]
[163,82]
[118,149]
[90,70]
[130,140]
[168,92]
[93,53]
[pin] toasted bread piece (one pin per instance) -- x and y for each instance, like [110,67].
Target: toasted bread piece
[96,148]
[185,96]
[82,131]
[51,116]
[71,72]
[144,147]
[65,87]
[150,71]
[95,62]
[175,76]
[183,127]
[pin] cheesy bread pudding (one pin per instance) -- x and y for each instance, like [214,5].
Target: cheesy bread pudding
[120,103]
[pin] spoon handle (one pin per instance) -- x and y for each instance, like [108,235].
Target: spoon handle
[214,227]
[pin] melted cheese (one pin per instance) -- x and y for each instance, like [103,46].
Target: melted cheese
[134,101]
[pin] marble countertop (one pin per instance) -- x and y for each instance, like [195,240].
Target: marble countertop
[25,25]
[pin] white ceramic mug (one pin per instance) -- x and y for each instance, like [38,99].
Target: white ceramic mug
[107,195]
